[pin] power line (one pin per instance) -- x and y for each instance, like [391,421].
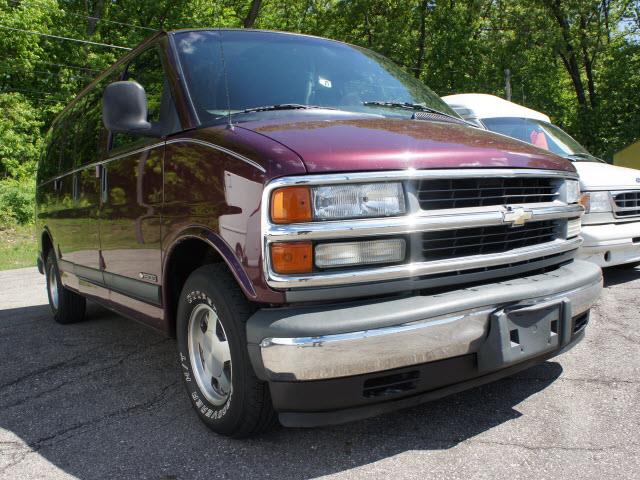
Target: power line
[48,94]
[52,74]
[70,66]
[31,96]
[57,37]
[97,19]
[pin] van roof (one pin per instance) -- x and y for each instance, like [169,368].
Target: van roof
[481,105]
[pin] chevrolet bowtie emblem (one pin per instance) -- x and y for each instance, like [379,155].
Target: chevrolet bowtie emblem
[517,217]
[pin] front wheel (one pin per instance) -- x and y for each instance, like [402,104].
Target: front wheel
[213,356]
[66,306]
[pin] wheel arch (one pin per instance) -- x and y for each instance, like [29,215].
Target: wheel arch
[46,244]
[192,249]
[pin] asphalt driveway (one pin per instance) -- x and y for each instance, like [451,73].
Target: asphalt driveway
[103,399]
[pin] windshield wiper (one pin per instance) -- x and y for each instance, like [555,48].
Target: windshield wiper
[584,156]
[411,106]
[282,106]
[278,106]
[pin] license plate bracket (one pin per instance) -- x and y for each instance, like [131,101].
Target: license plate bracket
[521,332]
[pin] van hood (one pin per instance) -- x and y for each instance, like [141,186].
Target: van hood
[602,176]
[340,141]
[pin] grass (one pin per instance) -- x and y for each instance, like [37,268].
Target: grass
[18,247]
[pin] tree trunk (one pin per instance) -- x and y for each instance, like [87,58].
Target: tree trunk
[422,38]
[569,57]
[368,29]
[95,12]
[588,64]
[252,14]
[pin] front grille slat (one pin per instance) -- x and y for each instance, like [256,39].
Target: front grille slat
[528,195]
[484,191]
[459,233]
[627,203]
[534,240]
[485,240]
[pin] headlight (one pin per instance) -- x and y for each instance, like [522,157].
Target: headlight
[596,202]
[337,202]
[334,202]
[572,191]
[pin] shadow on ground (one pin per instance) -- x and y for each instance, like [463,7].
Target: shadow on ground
[623,274]
[103,398]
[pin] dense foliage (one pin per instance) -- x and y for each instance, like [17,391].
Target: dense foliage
[576,60]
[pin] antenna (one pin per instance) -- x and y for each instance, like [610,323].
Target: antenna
[226,83]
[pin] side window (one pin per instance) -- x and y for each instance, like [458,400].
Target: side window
[91,136]
[68,158]
[147,70]
[49,161]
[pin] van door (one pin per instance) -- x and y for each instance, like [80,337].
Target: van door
[79,231]
[132,192]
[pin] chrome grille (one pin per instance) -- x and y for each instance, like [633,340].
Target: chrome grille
[448,244]
[484,191]
[457,230]
[627,203]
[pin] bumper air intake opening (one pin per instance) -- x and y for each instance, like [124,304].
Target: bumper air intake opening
[515,337]
[580,322]
[636,240]
[390,384]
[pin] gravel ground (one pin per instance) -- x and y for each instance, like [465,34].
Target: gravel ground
[103,399]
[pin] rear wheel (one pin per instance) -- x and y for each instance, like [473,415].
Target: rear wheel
[213,355]
[66,306]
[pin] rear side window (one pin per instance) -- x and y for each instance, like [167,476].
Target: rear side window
[78,137]
[68,154]
[48,167]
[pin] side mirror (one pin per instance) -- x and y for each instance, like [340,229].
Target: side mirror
[124,109]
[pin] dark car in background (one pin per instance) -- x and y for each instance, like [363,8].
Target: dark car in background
[325,237]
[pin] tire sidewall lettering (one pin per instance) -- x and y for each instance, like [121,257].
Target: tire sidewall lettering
[204,408]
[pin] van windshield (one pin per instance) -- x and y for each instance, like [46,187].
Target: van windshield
[231,71]
[541,134]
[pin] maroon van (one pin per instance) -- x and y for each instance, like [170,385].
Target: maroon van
[326,239]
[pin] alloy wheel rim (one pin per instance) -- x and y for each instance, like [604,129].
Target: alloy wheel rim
[209,354]
[52,283]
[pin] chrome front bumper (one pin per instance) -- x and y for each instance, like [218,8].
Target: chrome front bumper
[333,341]
[611,244]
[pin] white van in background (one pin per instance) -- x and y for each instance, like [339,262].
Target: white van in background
[611,195]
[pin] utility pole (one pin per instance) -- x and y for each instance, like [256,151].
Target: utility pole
[507,83]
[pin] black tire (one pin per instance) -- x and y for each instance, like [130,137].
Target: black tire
[70,307]
[248,409]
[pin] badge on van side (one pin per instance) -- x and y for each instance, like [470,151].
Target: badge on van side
[149,277]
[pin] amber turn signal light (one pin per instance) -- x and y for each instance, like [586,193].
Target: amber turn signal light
[585,201]
[291,205]
[292,257]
